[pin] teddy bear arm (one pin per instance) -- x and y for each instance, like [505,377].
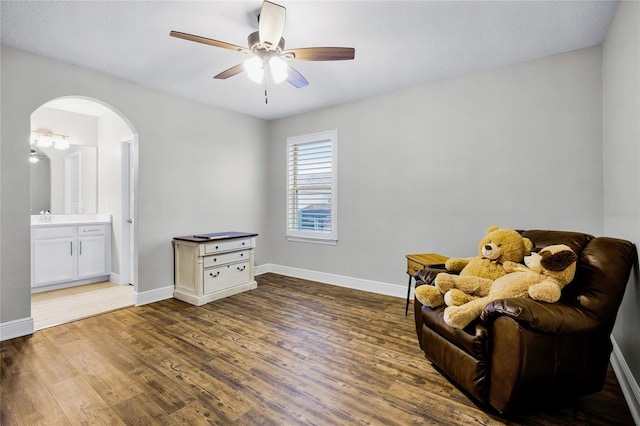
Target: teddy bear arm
[546,291]
[457,264]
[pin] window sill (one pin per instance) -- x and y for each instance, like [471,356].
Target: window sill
[312,240]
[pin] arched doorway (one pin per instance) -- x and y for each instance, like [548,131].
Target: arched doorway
[91,173]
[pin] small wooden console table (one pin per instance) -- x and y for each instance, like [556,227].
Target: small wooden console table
[416,263]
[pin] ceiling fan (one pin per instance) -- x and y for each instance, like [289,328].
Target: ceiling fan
[268,55]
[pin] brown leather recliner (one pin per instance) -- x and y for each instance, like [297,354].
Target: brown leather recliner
[521,351]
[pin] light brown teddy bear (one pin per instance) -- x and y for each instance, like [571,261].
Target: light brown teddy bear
[476,273]
[542,279]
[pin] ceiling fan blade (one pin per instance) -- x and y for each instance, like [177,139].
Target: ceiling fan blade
[209,41]
[321,53]
[271,24]
[296,79]
[230,72]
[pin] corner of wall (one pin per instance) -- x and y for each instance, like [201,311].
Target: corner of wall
[628,384]
[16,328]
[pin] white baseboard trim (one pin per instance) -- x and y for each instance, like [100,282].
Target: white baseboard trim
[333,279]
[115,278]
[628,383]
[67,284]
[155,295]
[262,269]
[16,328]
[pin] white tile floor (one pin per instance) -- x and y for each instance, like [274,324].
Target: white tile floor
[57,307]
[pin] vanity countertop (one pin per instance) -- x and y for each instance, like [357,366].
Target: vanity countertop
[69,219]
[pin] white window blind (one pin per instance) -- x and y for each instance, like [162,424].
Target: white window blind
[311,183]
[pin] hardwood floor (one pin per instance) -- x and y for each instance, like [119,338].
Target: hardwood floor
[290,352]
[55,307]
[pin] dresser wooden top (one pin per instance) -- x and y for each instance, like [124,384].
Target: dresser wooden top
[215,236]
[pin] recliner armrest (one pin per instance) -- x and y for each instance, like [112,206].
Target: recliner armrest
[554,318]
[428,274]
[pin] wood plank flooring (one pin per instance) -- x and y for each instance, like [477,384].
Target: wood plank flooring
[55,307]
[290,352]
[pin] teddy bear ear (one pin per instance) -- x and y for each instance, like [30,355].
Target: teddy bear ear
[492,228]
[528,246]
[557,262]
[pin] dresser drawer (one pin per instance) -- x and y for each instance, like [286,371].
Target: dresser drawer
[226,276]
[413,267]
[227,245]
[221,259]
[90,230]
[54,232]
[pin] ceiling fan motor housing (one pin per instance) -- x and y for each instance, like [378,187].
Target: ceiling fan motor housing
[255,44]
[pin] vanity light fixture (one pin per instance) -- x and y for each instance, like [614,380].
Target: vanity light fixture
[45,138]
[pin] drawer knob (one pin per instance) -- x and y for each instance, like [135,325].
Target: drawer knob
[216,247]
[212,275]
[241,254]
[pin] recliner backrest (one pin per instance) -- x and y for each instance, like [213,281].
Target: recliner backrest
[603,269]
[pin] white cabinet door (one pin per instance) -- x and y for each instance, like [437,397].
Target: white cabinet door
[54,260]
[91,256]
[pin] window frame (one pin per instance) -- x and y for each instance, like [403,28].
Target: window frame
[317,237]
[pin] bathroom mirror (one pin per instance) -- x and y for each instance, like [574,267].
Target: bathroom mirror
[65,181]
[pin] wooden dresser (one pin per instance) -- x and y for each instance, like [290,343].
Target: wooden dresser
[212,266]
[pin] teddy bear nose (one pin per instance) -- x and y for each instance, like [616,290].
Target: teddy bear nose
[488,247]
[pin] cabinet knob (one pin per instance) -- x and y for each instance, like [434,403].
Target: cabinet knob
[216,274]
[216,247]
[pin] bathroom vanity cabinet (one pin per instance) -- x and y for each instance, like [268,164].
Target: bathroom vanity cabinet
[65,254]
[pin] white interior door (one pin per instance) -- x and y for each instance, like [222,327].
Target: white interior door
[127,260]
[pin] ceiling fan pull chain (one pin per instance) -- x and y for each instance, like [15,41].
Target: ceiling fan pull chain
[266,99]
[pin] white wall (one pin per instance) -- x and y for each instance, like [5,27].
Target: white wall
[621,122]
[430,168]
[200,169]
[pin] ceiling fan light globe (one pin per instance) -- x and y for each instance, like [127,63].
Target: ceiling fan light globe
[278,69]
[255,69]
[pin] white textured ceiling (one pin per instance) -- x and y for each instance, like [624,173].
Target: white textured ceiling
[399,44]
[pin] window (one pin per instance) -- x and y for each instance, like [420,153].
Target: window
[311,188]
